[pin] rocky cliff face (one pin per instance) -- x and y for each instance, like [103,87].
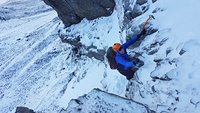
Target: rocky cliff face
[73,11]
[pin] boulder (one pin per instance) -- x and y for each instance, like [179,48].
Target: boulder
[23,110]
[98,101]
[141,2]
[73,11]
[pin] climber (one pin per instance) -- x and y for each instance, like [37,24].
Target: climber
[125,65]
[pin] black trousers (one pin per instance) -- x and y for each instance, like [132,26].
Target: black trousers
[128,73]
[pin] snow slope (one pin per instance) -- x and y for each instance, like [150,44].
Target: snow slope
[38,71]
[27,52]
[2,1]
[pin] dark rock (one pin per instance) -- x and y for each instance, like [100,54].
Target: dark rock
[73,11]
[168,50]
[154,1]
[151,50]
[140,2]
[163,78]
[157,60]
[153,89]
[177,99]
[98,55]
[137,10]
[23,110]
[182,52]
[75,41]
[2,18]
[90,51]
[157,10]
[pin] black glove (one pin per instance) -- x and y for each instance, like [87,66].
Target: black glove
[136,61]
[141,33]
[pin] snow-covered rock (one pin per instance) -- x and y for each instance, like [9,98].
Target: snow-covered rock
[98,101]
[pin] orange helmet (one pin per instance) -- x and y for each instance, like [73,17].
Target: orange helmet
[116,46]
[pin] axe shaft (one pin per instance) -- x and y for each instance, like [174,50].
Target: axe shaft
[145,23]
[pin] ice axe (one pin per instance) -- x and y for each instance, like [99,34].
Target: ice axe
[145,23]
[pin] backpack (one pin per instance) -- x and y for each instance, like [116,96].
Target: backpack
[110,55]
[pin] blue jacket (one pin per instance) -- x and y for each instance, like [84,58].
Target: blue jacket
[124,59]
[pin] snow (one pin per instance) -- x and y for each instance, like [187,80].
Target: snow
[84,86]
[37,70]
[3,1]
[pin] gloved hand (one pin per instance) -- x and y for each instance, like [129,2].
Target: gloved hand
[141,33]
[136,61]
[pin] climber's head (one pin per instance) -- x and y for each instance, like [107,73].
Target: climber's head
[116,47]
